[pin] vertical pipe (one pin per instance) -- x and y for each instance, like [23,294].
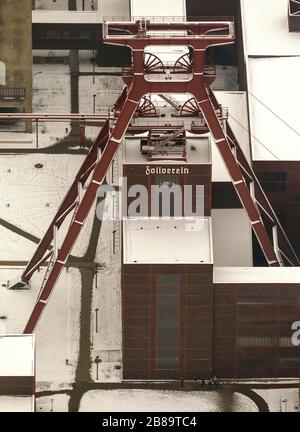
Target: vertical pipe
[37,133]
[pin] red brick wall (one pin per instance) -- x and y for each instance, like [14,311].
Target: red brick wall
[139,321]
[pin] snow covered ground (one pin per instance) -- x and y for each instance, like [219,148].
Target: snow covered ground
[30,197]
[164,401]
[52,94]
[107,337]
[57,334]
[16,404]
[55,403]
[281,400]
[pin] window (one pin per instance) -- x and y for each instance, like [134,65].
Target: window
[256,320]
[167,321]
[85,34]
[53,34]
[273,181]
[289,362]
[256,362]
[264,341]
[256,298]
[2,73]
[68,34]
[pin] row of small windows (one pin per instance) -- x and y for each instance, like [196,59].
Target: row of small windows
[257,362]
[67,34]
[252,320]
[264,341]
[269,298]
[273,181]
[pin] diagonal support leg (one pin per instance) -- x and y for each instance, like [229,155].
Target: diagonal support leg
[83,209]
[69,203]
[285,249]
[238,180]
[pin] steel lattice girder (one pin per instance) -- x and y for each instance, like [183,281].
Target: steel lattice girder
[96,166]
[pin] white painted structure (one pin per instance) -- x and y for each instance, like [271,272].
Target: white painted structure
[250,275]
[158,8]
[159,241]
[16,404]
[272,56]
[232,238]
[17,359]
[17,355]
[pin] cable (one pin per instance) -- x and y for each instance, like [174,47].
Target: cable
[247,130]
[269,109]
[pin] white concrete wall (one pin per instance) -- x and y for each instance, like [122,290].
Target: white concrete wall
[232,238]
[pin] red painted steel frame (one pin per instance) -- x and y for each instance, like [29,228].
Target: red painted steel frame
[199,35]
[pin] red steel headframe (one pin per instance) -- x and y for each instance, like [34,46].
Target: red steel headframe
[198,35]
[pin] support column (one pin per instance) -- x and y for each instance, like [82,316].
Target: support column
[235,173]
[83,209]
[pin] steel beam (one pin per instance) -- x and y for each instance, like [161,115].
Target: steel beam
[83,207]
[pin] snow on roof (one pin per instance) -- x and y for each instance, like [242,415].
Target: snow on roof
[232,238]
[65,17]
[198,151]
[16,403]
[155,8]
[236,102]
[159,241]
[274,93]
[168,10]
[266,29]
[17,355]
[258,275]
[128,400]
[115,8]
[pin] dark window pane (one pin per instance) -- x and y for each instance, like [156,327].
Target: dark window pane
[273,181]
[167,321]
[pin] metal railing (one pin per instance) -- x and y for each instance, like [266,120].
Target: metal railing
[209,69]
[167,28]
[12,93]
[169,19]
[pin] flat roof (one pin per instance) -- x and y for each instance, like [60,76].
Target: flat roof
[232,238]
[156,8]
[266,29]
[65,17]
[256,275]
[16,404]
[114,8]
[274,107]
[198,152]
[159,241]
[159,8]
[17,355]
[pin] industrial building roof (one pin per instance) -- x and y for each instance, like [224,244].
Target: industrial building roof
[274,96]
[266,29]
[158,8]
[256,275]
[16,355]
[273,66]
[159,241]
